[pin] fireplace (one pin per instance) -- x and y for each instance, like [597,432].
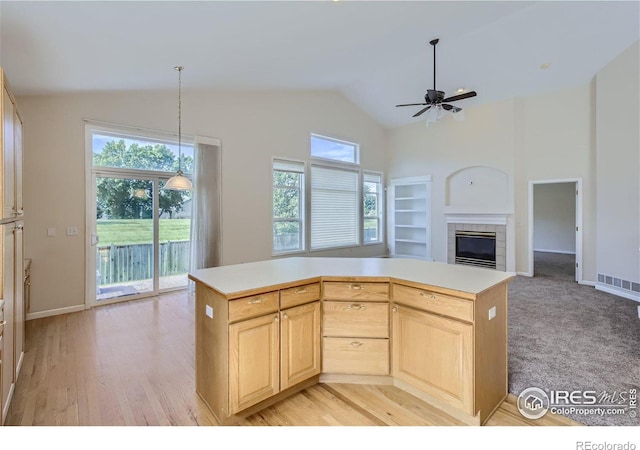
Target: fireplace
[485,235]
[476,248]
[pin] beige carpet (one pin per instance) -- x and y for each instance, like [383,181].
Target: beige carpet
[566,336]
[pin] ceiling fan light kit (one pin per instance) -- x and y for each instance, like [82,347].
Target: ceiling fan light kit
[436,105]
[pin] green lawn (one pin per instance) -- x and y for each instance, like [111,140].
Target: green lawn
[138,231]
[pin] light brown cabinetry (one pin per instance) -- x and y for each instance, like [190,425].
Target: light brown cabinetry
[250,349]
[452,348]
[355,328]
[300,344]
[254,346]
[433,353]
[11,269]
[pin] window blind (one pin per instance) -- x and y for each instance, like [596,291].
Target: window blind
[334,207]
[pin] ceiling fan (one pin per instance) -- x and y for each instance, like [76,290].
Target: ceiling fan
[436,98]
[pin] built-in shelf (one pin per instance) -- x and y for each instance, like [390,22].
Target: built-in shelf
[409,217]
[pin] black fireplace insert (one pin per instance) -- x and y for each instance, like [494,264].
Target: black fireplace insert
[477,248]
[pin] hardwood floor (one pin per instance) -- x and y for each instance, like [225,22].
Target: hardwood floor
[133,364]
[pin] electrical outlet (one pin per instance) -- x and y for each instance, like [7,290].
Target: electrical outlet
[208,310]
[72,231]
[492,312]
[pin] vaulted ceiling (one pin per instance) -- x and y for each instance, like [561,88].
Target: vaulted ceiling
[376,53]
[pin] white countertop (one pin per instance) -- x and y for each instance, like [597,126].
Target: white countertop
[238,278]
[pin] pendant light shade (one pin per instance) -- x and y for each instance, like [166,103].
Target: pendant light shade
[179,181]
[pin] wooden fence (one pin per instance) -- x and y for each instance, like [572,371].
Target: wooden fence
[123,263]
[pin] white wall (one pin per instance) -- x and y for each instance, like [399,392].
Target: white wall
[618,172]
[252,126]
[536,138]
[554,217]
[485,138]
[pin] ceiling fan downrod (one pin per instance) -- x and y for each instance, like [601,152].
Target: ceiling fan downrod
[434,42]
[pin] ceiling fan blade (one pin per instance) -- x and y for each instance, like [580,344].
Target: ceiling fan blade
[460,97]
[451,108]
[414,104]
[421,111]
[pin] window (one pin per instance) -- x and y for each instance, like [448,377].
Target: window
[288,206]
[139,153]
[372,207]
[335,199]
[334,149]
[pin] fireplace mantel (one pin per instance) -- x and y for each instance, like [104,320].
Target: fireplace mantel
[483,218]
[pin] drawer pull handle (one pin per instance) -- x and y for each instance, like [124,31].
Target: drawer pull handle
[426,294]
[301,291]
[356,287]
[355,306]
[356,344]
[257,300]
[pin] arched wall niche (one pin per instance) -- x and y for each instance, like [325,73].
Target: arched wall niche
[478,188]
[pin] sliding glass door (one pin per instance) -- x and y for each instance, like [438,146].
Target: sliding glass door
[139,232]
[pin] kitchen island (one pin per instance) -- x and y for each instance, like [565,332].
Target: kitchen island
[266,330]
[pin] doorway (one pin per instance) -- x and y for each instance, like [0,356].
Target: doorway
[555,229]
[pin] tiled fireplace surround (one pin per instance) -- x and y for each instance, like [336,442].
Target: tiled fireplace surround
[501,239]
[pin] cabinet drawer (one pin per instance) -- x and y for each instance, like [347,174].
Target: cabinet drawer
[299,295]
[355,356]
[254,306]
[356,291]
[355,319]
[434,302]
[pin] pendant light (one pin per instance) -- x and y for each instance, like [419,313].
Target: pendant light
[179,181]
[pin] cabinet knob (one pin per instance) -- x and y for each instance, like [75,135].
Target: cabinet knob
[394,309]
[276,319]
[284,316]
[355,306]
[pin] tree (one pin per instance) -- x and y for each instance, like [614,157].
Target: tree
[130,198]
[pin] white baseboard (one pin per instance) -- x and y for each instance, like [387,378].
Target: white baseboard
[55,312]
[587,283]
[525,274]
[563,252]
[618,292]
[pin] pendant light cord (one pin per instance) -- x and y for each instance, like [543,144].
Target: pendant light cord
[179,69]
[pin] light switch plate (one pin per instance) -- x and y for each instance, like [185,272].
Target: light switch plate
[72,231]
[208,310]
[492,312]
[51,231]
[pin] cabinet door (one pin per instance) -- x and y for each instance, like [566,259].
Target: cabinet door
[17,122]
[434,354]
[8,153]
[300,344]
[253,361]
[18,298]
[8,332]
